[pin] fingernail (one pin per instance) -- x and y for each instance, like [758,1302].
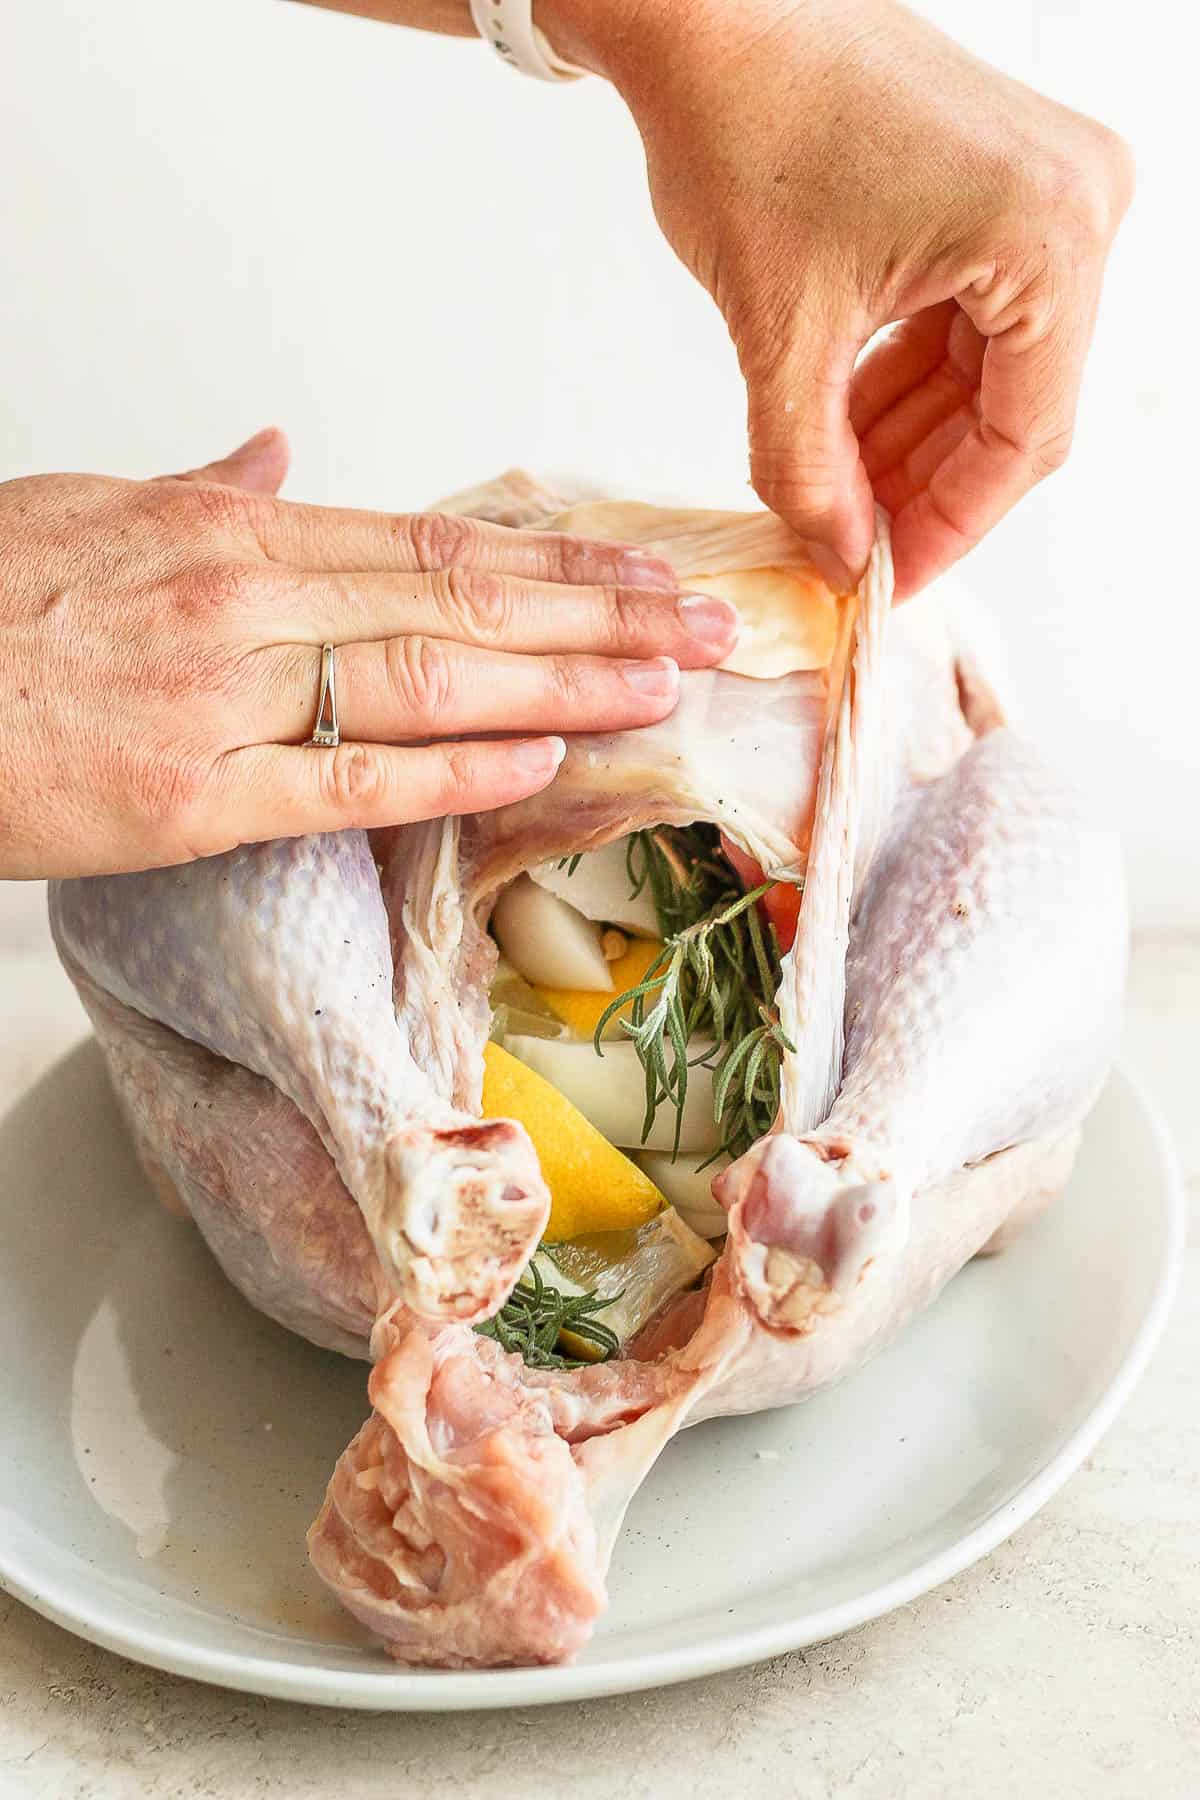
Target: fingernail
[641,568]
[655,679]
[540,756]
[252,443]
[708,619]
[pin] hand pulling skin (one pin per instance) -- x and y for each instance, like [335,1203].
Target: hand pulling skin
[295,1032]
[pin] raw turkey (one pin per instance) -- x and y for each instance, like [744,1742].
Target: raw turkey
[295,1032]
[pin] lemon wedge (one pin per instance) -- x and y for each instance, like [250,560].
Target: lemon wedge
[583,1011]
[593,1188]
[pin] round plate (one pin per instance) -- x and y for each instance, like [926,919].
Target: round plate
[166,1446]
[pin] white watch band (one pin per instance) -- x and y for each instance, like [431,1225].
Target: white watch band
[507,25]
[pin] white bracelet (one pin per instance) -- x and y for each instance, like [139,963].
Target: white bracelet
[507,25]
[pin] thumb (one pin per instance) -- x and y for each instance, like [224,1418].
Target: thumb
[804,458]
[259,465]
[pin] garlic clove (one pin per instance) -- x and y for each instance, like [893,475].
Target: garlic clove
[548,941]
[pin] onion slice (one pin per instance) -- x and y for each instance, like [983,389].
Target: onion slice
[610,1092]
[598,885]
[688,1187]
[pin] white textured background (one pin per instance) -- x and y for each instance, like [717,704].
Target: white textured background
[217,214]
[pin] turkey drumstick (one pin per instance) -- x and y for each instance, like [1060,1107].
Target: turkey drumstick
[278,957]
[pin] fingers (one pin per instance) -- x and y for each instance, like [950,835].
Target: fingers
[336,538]
[278,791]
[403,689]
[975,462]
[340,539]
[909,384]
[259,465]
[804,459]
[503,612]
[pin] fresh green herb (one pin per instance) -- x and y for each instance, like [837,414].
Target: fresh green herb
[571,863]
[716,978]
[535,1315]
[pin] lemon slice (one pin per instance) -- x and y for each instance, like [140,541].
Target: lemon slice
[592,1186]
[519,1008]
[583,1011]
[644,1267]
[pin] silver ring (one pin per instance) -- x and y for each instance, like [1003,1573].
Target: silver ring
[326,735]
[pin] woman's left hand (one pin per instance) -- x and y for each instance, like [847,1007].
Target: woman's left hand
[160,655]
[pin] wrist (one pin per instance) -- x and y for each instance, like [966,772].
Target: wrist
[613,38]
[639,44]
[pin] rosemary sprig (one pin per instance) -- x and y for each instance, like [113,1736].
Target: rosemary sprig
[535,1315]
[716,978]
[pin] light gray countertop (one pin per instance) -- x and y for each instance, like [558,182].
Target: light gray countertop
[1066,1664]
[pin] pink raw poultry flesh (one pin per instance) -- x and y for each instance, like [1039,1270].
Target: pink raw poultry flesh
[295,1032]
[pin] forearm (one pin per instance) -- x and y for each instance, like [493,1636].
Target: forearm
[596,34]
[450,17]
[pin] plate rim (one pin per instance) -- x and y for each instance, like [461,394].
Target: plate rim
[409,1690]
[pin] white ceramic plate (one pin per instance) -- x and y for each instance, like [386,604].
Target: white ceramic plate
[165,1446]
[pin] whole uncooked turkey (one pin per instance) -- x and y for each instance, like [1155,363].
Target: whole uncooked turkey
[296,1034]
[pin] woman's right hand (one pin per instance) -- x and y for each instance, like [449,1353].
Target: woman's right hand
[160,662]
[829,167]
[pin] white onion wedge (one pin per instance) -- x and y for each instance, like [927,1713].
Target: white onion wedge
[549,942]
[688,1187]
[610,1091]
[598,886]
